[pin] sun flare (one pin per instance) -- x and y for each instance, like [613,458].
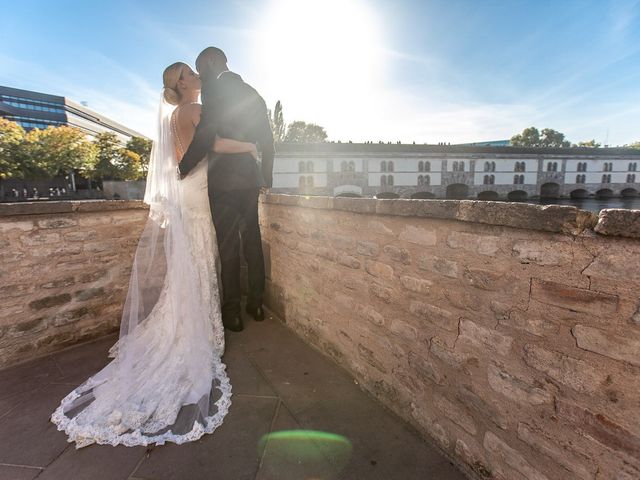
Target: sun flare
[322,58]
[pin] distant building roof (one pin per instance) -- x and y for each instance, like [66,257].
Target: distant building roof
[376,148]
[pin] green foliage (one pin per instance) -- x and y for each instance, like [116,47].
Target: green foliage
[11,140]
[635,145]
[142,147]
[532,137]
[302,132]
[59,150]
[590,144]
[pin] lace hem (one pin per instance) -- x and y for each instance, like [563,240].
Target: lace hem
[85,435]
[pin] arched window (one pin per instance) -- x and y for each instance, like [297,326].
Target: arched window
[521,179]
[390,166]
[421,166]
[461,166]
[420,180]
[555,166]
[455,166]
[301,183]
[492,179]
[427,180]
[383,180]
[390,180]
[309,181]
[352,166]
[427,166]
[515,179]
[310,166]
[523,167]
[343,167]
[486,166]
[606,178]
[633,166]
[485,180]
[549,166]
[301,168]
[383,166]
[493,166]
[631,178]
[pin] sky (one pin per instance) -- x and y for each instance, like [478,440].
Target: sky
[427,71]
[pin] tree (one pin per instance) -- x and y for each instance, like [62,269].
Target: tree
[142,147]
[635,145]
[590,144]
[532,137]
[108,150]
[11,158]
[278,123]
[59,150]
[302,132]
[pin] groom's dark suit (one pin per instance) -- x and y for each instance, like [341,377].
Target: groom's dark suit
[233,109]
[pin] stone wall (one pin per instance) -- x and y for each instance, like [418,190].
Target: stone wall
[64,272]
[509,334]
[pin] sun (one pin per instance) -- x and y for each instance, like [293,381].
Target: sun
[322,58]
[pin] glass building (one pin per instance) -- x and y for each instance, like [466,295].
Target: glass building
[41,110]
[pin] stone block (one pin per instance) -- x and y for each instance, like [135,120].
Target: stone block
[618,221]
[44,238]
[484,338]
[455,413]
[439,265]
[434,315]
[57,222]
[483,279]
[503,454]
[370,314]
[483,409]
[419,236]
[379,270]
[50,301]
[543,253]
[397,254]
[626,349]
[424,369]
[370,357]
[530,321]
[598,426]
[572,298]
[418,285]
[348,261]
[613,262]
[547,446]
[383,293]
[574,373]
[403,330]
[342,242]
[7,226]
[427,422]
[474,458]
[517,389]
[368,249]
[58,283]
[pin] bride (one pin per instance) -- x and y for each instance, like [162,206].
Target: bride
[167,382]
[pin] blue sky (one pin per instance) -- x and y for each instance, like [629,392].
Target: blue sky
[424,71]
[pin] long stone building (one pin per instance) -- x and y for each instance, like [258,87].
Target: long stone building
[454,171]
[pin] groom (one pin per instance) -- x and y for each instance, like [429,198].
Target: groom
[233,109]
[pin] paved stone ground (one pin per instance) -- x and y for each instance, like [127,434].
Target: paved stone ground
[279,383]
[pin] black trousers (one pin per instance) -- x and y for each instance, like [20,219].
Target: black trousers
[235,216]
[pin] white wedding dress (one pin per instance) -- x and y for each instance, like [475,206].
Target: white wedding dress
[167,382]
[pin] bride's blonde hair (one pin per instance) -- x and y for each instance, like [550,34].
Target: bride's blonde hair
[170,79]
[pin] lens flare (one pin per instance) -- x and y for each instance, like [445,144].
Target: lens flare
[304,454]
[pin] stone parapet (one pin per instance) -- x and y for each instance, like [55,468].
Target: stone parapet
[507,333]
[65,272]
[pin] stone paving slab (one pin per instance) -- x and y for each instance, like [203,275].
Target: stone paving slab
[279,384]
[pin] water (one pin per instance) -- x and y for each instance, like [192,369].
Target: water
[592,204]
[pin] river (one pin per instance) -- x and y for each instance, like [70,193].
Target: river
[592,204]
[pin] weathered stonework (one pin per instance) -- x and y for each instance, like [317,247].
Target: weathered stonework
[509,334]
[65,272]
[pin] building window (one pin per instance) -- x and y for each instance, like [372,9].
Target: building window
[552,166]
[606,178]
[310,166]
[301,167]
[343,167]
[427,166]
[310,181]
[421,166]
[427,180]
[352,166]
[520,167]
[631,178]
[608,167]
[455,166]
[633,166]
[581,178]
[390,166]
[301,183]
[383,181]
[390,180]
[489,179]
[486,166]
[518,179]
[383,166]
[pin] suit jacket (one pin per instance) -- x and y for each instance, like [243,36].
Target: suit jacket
[232,109]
